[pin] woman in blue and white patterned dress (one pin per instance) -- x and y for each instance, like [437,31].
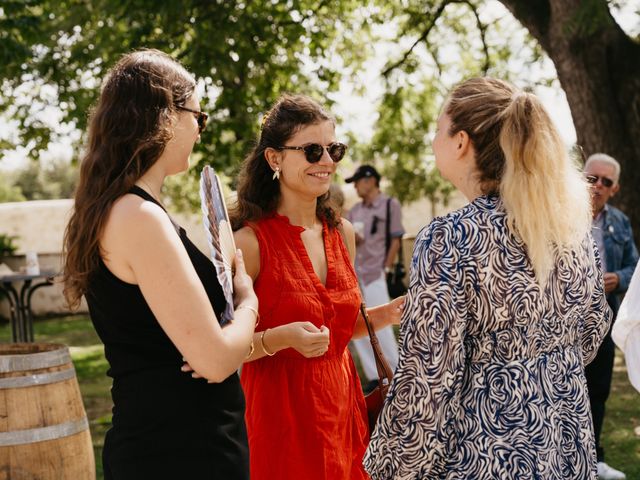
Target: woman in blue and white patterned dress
[505,307]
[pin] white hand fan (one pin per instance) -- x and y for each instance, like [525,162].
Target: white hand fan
[219,235]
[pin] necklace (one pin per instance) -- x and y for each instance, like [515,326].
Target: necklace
[312,226]
[150,190]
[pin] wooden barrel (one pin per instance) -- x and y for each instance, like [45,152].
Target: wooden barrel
[44,432]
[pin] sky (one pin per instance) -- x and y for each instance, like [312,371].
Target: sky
[358,114]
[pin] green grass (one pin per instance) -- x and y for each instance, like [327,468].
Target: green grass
[621,435]
[621,430]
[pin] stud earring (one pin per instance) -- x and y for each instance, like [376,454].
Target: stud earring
[276,174]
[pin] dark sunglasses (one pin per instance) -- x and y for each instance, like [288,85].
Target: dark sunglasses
[314,151]
[593,179]
[201,117]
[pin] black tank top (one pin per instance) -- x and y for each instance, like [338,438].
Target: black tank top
[163,420]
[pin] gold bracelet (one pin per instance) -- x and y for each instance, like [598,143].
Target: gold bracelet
[251,348]
[264,348]
[253,310]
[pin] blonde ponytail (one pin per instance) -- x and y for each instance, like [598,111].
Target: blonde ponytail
[519,155]
[545,196]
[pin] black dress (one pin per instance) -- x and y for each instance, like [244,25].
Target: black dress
[166,425]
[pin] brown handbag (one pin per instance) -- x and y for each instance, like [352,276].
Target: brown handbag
[375,399]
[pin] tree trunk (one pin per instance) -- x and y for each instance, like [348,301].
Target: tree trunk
[599,69]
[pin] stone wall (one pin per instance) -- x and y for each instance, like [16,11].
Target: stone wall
[39,226]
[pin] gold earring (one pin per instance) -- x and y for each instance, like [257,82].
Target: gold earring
[276,174]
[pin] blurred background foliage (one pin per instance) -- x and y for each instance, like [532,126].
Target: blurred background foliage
[53,54]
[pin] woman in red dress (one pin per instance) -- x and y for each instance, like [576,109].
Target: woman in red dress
[306,415]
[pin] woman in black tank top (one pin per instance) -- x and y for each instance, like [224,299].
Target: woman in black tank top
[153,297]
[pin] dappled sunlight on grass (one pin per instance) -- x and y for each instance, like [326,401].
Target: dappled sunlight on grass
[621,435]
[622,419]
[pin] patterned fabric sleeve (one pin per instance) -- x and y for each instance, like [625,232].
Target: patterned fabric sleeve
[598,315]
[412,437]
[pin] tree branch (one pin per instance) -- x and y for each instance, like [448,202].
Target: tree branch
[425,33]
[420,39]
[483,35]
[534,15]
[434,57]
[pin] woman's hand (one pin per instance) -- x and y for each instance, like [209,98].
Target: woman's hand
[395,309]
[188,369]
[307,339]
[243,284]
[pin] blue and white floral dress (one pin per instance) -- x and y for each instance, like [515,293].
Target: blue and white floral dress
[490,383]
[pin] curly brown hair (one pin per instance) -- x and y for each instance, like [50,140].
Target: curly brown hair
[129,129]
[258,194]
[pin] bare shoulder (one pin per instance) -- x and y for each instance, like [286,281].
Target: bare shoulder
[347,226]
[246,236]
[247,241]
[131,215]
[130,225]
[349,237]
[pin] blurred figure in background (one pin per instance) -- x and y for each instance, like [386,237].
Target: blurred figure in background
[611,230]
[376,253]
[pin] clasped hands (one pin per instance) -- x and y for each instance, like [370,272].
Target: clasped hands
[307,339]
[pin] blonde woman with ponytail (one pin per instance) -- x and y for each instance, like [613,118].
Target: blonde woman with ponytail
[505,307]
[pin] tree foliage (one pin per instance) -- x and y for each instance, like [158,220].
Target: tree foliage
[8,191]
[436,44]
[39,181]
[598,65]
[245,54]
[53,54]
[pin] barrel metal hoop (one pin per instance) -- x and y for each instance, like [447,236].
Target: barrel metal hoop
[34,361]
[41,379]
[53,432]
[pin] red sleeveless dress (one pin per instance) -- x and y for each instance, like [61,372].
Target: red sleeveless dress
[305,417]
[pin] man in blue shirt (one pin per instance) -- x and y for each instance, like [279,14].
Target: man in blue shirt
[618,253]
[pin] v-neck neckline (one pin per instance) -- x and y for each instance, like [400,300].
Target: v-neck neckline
[303,254]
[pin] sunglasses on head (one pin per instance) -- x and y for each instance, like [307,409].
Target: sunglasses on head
[593,179]
[201,117]
[313,152]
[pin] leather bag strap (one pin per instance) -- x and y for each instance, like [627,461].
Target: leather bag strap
[385,374]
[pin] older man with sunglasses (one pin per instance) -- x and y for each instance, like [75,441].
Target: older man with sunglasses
[374,258]
[618,253]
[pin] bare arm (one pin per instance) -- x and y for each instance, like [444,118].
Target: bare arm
[303,336]
[140,239]
[247,241]
[380,317]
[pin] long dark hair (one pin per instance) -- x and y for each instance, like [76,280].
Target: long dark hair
[128,131]
[258,193]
